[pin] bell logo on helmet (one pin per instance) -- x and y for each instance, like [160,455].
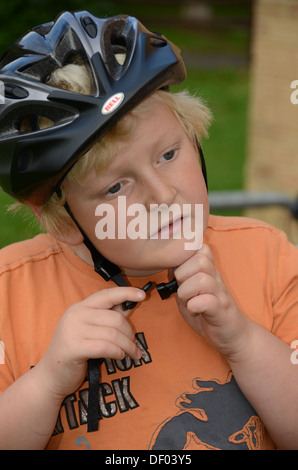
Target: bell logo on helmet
[112,103]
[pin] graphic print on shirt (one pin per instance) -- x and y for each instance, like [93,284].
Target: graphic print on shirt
[115,396]
[215,416]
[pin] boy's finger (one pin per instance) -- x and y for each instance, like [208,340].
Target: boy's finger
[199,284]
[115,296]
[202,261]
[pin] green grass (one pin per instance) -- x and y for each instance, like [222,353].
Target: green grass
[15,225]
[226,94]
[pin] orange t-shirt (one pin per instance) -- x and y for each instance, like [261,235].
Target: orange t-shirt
[181,394]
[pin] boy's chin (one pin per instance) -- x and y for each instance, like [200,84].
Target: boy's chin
[171,264]
[180,257]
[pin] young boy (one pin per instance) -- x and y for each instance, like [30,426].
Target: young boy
[208,367]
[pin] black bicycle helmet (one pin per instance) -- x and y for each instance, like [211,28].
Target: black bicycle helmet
[32,163]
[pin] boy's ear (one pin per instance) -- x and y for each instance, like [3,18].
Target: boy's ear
[72,237]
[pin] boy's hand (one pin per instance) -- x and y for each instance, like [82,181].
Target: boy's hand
[93,328]
[208,307]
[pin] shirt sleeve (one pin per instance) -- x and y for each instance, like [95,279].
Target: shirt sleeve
[285,306]
[6,340]
[6,375]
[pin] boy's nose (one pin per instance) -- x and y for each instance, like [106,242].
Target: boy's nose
[159,189]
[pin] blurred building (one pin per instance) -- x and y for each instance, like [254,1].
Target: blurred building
[272,162]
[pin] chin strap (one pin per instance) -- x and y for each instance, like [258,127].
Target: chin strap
[110,271]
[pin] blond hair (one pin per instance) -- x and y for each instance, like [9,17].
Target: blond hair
[190,111]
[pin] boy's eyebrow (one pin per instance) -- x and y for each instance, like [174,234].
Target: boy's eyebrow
[171,137]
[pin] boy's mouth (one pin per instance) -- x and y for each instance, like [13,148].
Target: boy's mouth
[171,228]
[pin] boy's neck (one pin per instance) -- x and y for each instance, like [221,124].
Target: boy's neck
[84,254]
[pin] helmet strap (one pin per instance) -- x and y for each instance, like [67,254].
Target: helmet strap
[203,163]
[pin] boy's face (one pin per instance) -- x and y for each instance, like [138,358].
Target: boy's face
[156,165]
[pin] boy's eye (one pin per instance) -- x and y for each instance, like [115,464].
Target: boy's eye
[169,155]
[114,189]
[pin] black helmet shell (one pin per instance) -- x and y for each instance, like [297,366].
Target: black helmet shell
[33,163]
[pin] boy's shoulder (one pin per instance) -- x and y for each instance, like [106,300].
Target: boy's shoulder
[244,230]
[226,224]
[35,249]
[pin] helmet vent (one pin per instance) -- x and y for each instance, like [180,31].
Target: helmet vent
[34,123]
[158,42]
[43,29]
[119,48]
[89,26]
